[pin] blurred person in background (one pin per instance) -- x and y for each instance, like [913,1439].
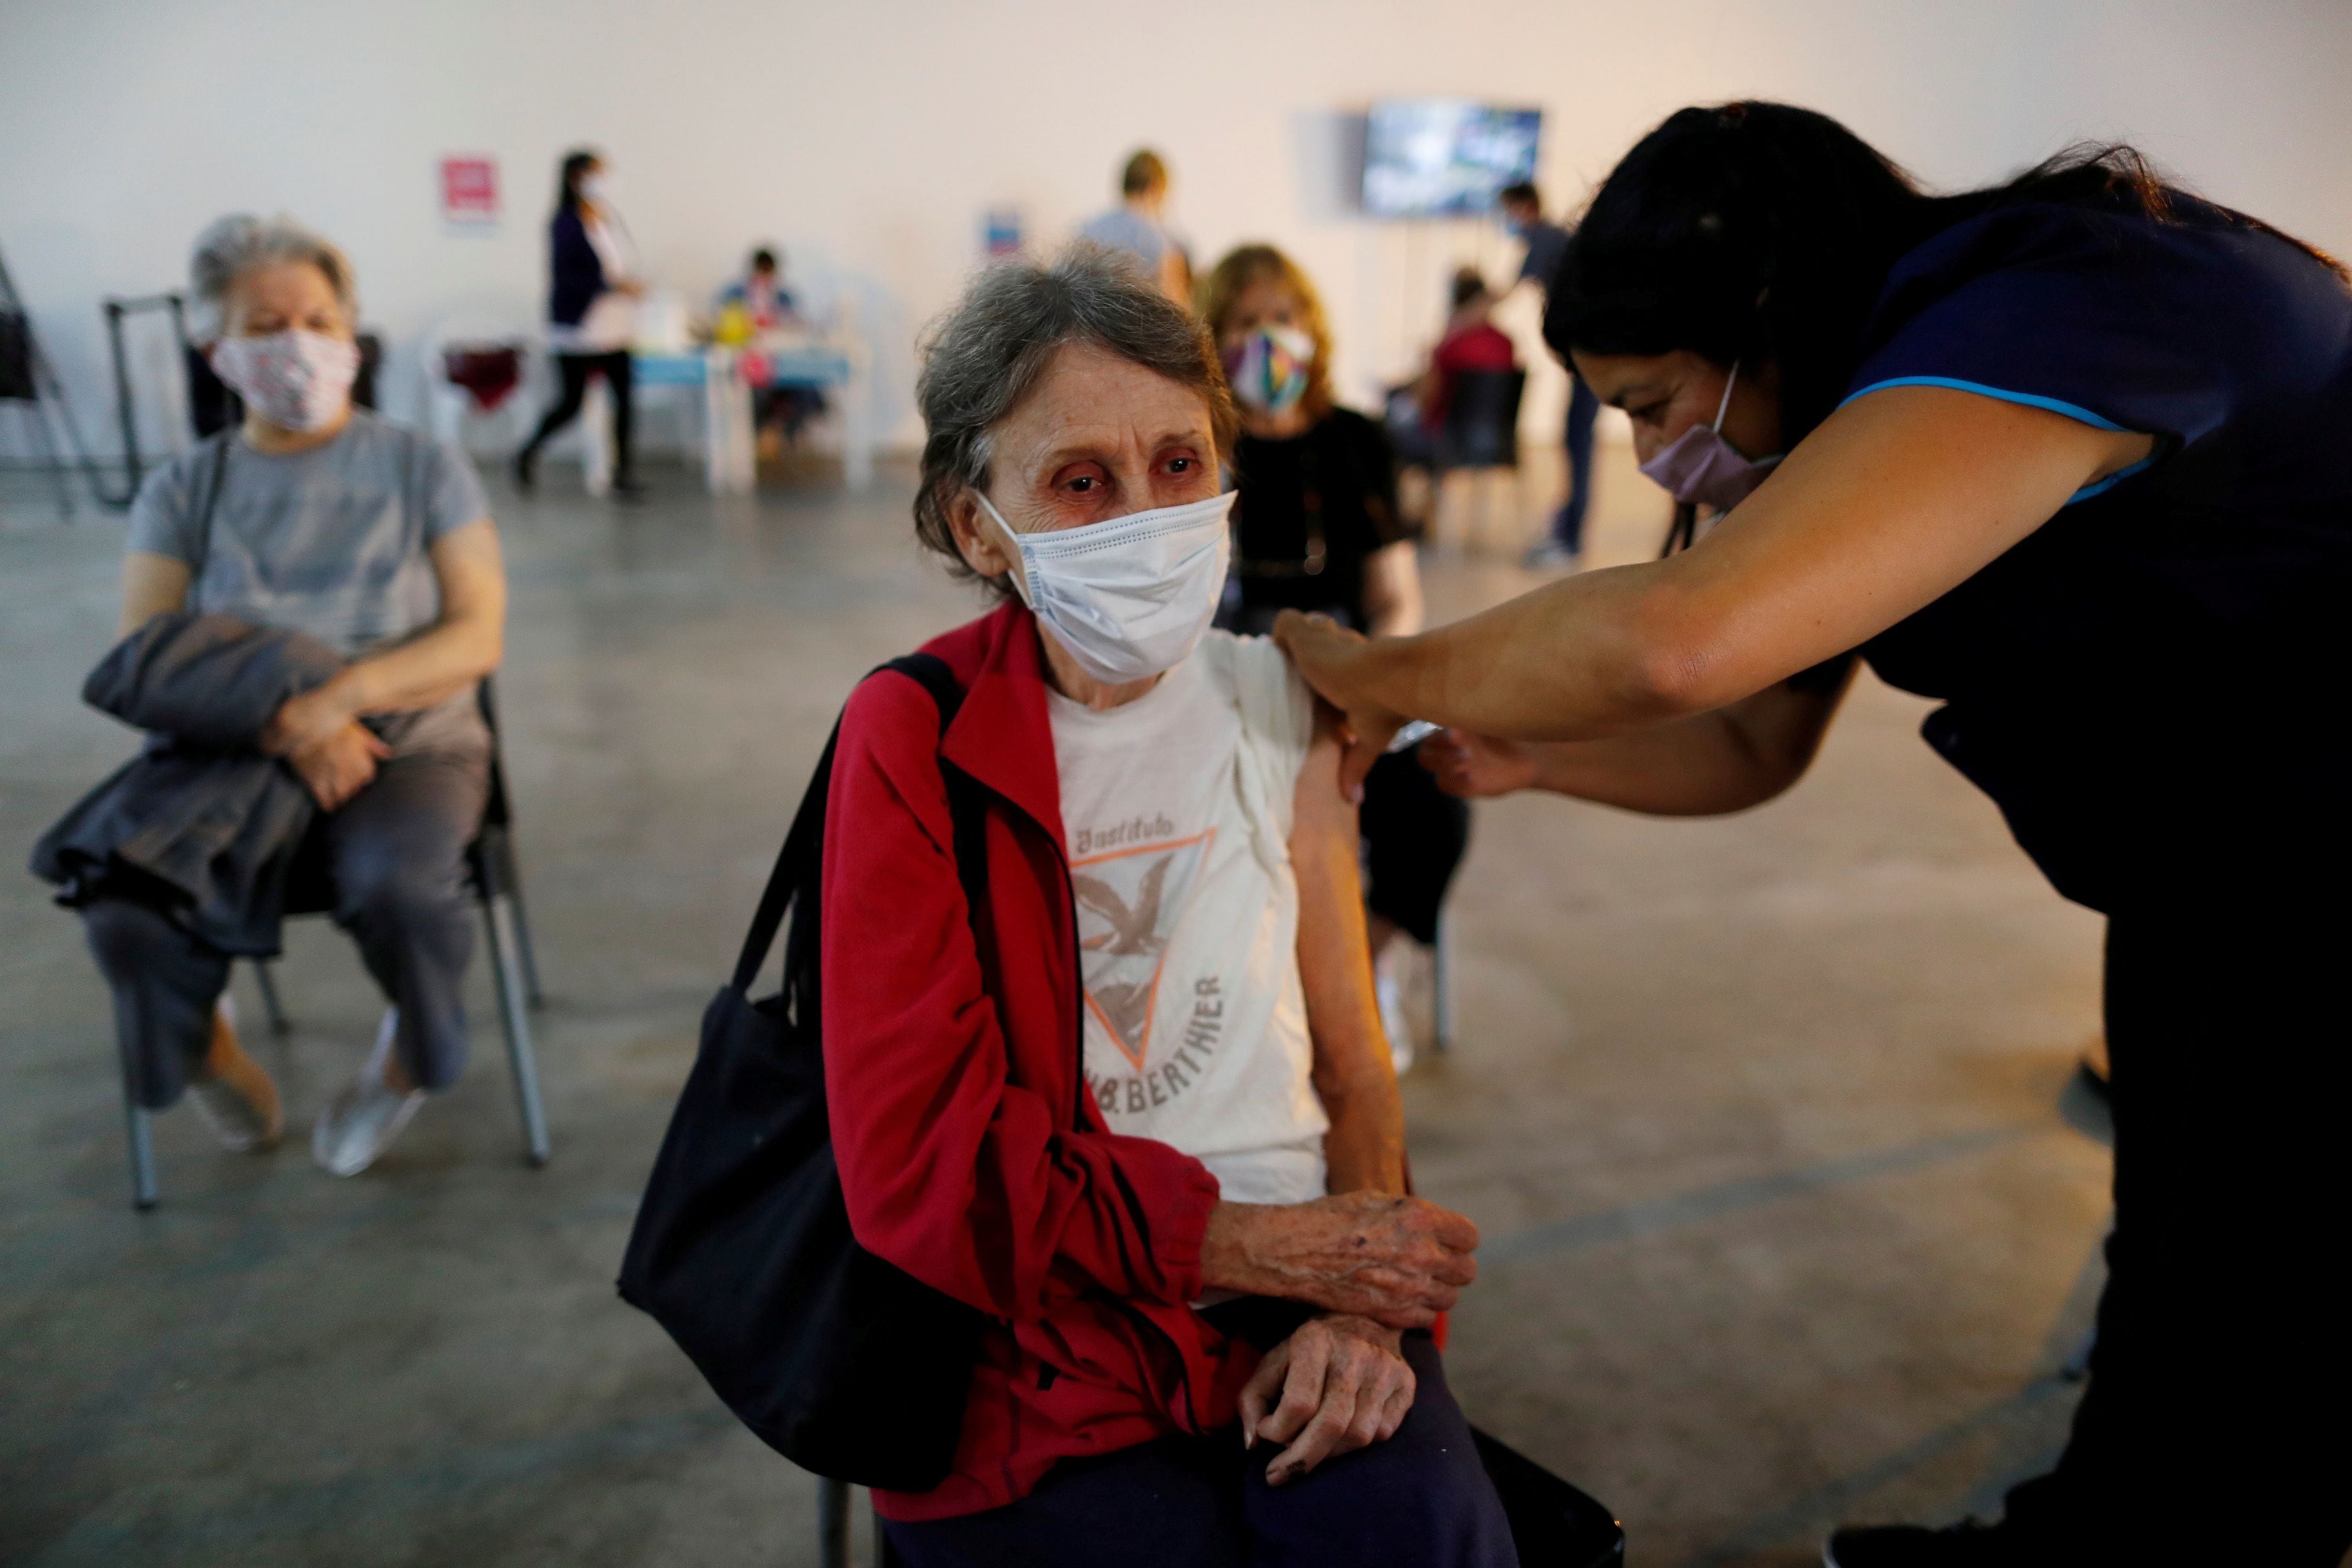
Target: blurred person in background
[1471,341]
[1547,244]
[1316,528]
[1137,227]
[752,311]
[325,523]
[591,281]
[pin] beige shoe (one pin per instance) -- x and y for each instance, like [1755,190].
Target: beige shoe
[231,1092]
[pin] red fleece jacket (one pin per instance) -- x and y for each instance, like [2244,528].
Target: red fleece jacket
[970,1153]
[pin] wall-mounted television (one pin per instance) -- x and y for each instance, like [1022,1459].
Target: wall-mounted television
[1444,157]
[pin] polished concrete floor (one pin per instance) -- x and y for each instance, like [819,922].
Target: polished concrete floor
[1789,1215]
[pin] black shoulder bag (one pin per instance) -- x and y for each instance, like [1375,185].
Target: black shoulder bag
[842,1362]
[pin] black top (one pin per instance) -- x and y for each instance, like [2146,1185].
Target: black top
[575,272]
[1311,508]
[2150,685]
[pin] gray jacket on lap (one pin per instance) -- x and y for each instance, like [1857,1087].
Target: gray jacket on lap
[201,822]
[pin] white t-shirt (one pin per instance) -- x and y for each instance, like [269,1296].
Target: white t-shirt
[1178,808]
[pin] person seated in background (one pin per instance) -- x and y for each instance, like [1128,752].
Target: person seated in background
[1471,341]
[1137,228]
[1130,1099]
[1317,528]
[761,295]
[751,309]
[318,518]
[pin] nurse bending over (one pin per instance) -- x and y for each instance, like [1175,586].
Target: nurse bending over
[1161,1145]
[2066,455]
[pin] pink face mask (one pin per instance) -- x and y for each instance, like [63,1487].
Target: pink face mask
[1700,467]
[296,380]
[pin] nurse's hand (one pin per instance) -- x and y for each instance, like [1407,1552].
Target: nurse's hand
[1339,1384]
[1336,663]
[1401,1260]
[1475,766]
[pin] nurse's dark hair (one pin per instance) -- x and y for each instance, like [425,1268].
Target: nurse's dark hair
[1757,231]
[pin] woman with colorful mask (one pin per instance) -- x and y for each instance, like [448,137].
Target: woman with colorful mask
[322,519]
[1128,1095]
[1317,528]
[2068,454]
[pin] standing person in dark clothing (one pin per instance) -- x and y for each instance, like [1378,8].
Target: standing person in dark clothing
[1317,528]
[2066,455]
[592,268]
[1547,244]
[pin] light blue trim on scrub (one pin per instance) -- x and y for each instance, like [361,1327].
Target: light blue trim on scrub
[2074,411]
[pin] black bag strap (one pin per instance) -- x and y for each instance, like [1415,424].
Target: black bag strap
[801,859]
[211,485]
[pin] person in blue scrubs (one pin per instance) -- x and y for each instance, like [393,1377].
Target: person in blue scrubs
[2073,456]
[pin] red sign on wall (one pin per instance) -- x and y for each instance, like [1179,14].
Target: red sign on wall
[470,190]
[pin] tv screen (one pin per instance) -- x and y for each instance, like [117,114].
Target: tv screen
[1444,157]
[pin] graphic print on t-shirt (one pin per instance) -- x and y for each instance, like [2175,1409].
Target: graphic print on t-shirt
[1129,902]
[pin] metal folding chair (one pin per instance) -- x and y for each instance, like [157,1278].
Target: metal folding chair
[1553,1524]
[492,877]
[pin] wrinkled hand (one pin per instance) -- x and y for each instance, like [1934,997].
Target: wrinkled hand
[1475,765]
[1399,1261]
[1339,1384]
[1333,660]
[340,767]
[306,720]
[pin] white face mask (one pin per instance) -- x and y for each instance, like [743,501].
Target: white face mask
[296,380]
[590,187]
[1127,599]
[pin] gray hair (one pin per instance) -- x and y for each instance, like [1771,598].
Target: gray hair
[985,356]
[236,245]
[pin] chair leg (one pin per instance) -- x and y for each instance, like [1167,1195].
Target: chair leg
[1441,968]
[269,1002]
[524,957]
[499,914]
[137,1123]
[832,1524]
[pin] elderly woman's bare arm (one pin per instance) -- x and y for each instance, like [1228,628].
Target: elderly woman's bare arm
[458,649]
[153,585]
[1354,1074]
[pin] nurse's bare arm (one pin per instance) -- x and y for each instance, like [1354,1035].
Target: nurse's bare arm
[1354,1075]
[1706,765]
[458,649]
[153,585]
[1894,500]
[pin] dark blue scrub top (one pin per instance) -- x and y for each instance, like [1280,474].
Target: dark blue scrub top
[2153,685]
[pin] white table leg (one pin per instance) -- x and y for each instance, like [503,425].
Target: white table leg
[596,437]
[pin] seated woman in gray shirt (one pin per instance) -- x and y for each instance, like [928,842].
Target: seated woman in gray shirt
[322,518]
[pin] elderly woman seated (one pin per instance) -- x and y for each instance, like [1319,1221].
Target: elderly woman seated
[316,519]
[1136,1105]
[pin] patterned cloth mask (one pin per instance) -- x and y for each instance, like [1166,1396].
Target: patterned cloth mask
[1268,368]
[296,380]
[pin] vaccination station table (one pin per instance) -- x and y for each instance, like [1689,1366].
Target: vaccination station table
[727,379]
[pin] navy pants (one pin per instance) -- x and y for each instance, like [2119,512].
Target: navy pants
[2214,1428]
[1567,523]
[393,856]
[1421,1497]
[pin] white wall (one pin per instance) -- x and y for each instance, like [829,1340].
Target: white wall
[868,136]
